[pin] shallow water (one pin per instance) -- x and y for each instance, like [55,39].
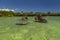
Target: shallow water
[32,31]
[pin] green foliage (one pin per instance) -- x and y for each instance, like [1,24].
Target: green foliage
[11,13]
[49,13]
[6,13]
[37,13]
[25,13]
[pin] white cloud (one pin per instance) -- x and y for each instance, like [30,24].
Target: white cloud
[17,9]
[7,10]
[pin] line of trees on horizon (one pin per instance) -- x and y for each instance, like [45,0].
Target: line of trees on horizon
[11,13]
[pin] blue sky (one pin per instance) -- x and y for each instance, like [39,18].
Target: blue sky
[31,5]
